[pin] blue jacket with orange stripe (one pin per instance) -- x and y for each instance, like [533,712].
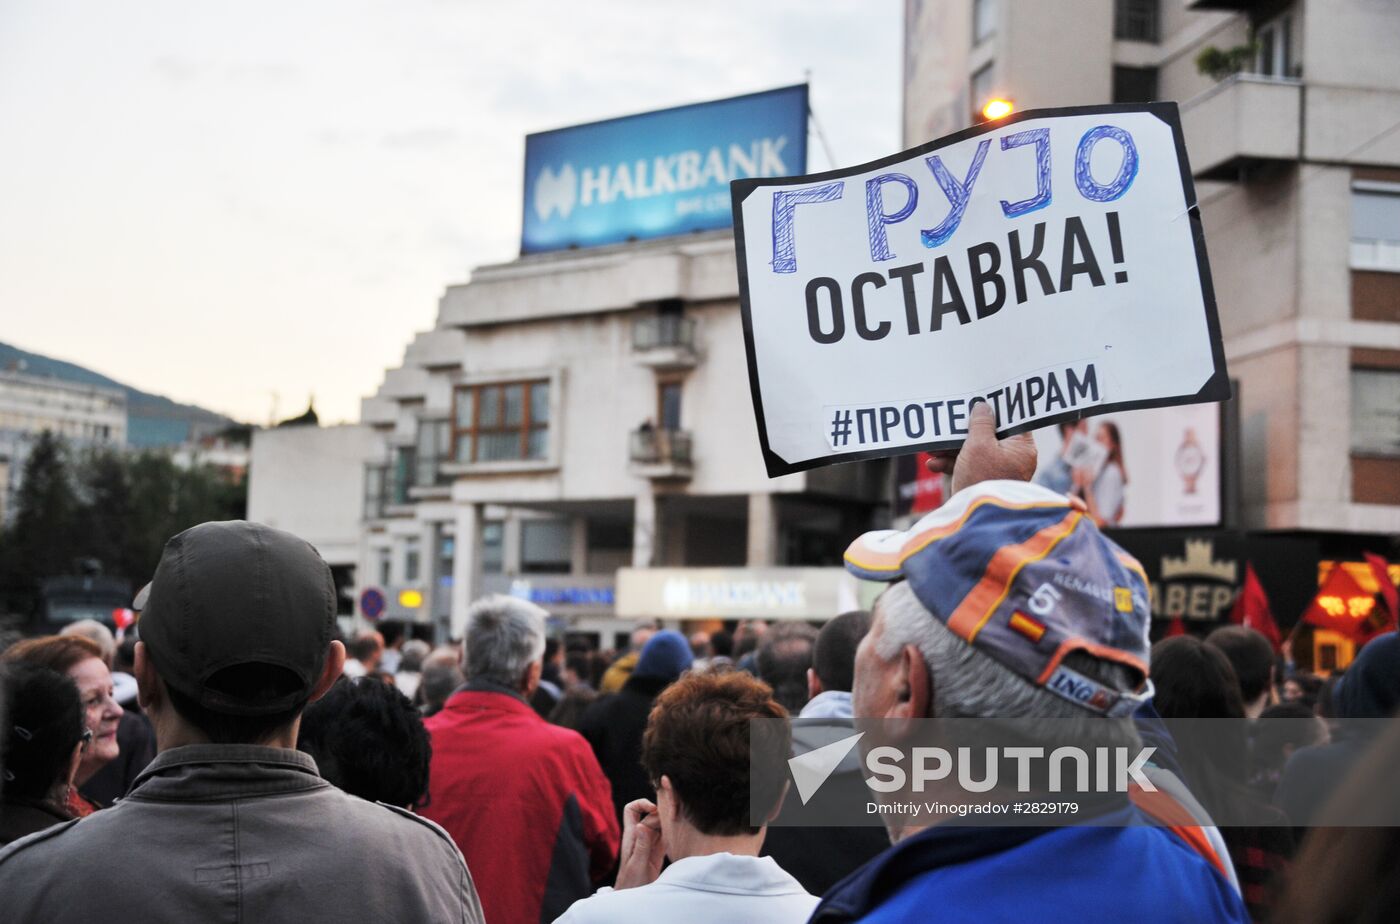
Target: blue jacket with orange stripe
[1121,868]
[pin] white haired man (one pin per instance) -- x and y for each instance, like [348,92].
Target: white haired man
[968,631]
[525,801]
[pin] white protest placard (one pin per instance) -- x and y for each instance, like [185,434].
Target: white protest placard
[1051,264]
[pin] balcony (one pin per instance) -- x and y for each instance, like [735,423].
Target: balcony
[1243,121]
[661,454]
[665,342]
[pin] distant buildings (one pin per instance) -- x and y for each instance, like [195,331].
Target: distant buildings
[84,415]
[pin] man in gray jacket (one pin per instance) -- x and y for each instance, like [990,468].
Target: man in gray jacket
[230,822]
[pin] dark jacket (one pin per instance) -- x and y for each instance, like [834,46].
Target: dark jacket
[227,832]
[613,726]
[822,841]
[524,800]
[1369,692]
[21,819]
[1123,870]
[136,741]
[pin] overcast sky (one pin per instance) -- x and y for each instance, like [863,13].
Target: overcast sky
[236,203]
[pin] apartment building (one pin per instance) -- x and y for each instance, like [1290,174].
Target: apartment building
[1291,112]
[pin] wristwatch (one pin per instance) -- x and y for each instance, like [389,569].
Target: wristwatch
[1190,460]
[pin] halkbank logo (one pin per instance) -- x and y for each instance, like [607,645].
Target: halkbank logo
[558,191]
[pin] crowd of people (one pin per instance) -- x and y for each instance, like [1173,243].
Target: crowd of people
[255,766]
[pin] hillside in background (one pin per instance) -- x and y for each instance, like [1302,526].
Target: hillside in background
[152,420]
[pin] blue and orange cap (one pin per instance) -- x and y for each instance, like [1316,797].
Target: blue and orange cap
[1023,574]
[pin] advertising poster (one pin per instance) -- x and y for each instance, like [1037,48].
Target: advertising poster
[1051,265]
[1158,467]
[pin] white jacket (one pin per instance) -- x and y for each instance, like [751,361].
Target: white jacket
[717,887]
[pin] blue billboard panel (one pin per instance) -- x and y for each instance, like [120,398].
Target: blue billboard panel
[657,173]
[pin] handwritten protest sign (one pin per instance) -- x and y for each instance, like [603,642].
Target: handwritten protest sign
[1051,265]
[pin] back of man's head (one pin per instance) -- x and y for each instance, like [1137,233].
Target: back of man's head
[441,675]
[1018,606]
[1250,654]
[783,660]
[504,636]
[834,659]
[365,646]
[414,651]
[238,627]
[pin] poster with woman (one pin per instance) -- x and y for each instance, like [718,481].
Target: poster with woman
[1158,467]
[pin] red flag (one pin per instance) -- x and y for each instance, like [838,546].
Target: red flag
[1174,628]
[1252,609]
[1380,568]
[1344,606]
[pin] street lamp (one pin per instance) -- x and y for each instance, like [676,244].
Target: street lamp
[997,109]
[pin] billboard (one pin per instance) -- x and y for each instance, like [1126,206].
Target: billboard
[1158,467]
[657,173]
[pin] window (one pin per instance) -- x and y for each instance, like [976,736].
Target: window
[402,474]
[1274,57]
[375,477]
[981,89]
[546,546]
[984,20]
[411,561]
[431,448]
[501,422]
[493,547]
[384,565]
[1375,226]
[1134,84]
[1375,411]
[1135,20]
[668,405]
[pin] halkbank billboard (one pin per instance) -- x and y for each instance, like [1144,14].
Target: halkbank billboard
[658,173]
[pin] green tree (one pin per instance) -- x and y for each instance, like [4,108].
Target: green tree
[41,540]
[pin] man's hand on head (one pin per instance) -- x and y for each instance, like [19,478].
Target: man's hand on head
[983,457]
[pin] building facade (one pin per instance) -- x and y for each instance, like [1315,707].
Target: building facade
[83,415]
[1291,112]
[576,413]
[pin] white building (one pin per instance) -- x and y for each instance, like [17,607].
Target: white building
[309,481]
[83,415]
[578,412]
[1297,162]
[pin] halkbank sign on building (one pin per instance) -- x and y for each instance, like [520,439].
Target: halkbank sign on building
[658,173]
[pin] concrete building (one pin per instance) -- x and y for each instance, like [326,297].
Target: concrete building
[83,415]
[1297,166]
[309,481]
[580,412]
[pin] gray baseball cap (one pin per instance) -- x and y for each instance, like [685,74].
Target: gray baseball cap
[237,593]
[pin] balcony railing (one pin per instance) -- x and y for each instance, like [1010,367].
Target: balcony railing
[663,331]
[661,453]
[1242,121]
[665,341]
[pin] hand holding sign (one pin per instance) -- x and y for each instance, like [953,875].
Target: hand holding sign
[1050,266]
[984,457]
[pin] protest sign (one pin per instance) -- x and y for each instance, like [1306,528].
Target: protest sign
[1051,264]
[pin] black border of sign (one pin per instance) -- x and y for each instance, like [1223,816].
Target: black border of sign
[1216,388]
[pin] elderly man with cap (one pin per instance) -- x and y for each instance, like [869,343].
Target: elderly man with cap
[967,630]
[230,821]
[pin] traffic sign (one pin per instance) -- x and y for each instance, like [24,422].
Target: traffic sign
[372,603]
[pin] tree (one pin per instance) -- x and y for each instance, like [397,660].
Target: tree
[41,539]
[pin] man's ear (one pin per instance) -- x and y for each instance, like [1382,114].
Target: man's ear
[532,677]
[335,663]
[913,691]
[148,689]
[814,684]
[777,806]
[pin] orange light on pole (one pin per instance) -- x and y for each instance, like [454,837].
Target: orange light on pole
[998,109]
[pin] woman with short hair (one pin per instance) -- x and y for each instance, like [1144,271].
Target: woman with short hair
[44,740]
